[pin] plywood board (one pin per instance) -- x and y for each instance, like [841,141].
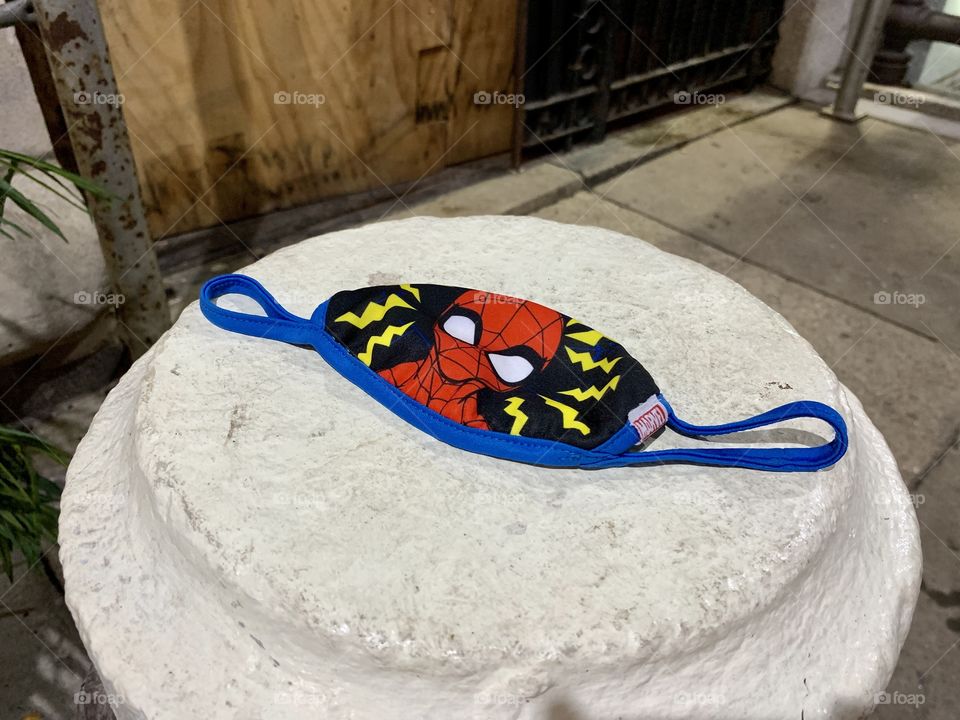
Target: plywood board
[236,108]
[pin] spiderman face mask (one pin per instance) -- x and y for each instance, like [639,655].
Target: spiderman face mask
[506,377]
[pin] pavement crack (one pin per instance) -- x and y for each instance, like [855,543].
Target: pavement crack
[937,460]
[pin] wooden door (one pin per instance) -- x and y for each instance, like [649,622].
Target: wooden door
[237,107]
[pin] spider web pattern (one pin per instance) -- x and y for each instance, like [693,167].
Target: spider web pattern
[506,326]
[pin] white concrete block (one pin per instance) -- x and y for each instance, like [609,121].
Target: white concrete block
[246,534]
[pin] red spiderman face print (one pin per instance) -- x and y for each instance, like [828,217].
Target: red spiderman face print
[483,340]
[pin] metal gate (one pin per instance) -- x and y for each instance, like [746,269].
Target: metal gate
[592,63]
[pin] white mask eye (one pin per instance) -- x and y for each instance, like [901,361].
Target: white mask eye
[462,328]
[511,368]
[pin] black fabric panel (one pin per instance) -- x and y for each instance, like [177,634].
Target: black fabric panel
[603,417]
[414,344]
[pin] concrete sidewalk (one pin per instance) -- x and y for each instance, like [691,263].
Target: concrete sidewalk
[850,232]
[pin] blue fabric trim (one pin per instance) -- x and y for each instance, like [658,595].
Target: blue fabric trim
[279,324]
[621,441]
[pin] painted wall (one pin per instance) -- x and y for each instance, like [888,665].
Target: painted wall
[812,39]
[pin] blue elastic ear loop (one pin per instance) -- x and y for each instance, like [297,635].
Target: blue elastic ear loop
[278,324]
[777,459]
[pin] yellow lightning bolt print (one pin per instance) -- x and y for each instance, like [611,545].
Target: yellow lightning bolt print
[586,361]
[373,312]
[384,338]
[590,337]
[569,414]
[592,392]
[519,417]
[412,290]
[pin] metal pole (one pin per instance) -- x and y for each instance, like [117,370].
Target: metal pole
[16,11]
[79,61]
[858,60]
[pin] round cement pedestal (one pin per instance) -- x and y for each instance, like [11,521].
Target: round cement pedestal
[245,534]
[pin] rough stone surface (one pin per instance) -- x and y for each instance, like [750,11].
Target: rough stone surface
[49,288]
[20,116]
[244,532]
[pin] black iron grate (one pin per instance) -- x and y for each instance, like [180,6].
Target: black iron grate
[591,63]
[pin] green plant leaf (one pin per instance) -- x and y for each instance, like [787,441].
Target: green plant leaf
[9,191]
[15,226]
[11,520]
[49,176]
[58,188]
[29,509]
[51,169]
[12,436]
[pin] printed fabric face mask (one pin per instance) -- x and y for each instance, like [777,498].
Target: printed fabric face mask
[505,377]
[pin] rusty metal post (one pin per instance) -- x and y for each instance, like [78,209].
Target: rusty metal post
[76,48]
